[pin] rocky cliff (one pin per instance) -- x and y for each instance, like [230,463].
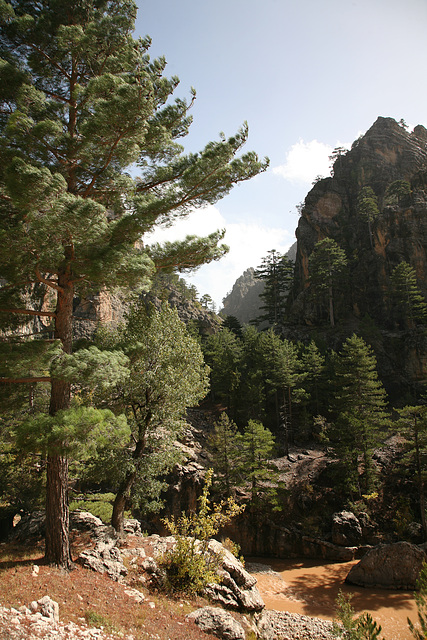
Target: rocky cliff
[385,154]
[244,301]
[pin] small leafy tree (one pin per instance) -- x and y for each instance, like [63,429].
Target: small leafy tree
[190,565]
[167,374]
[362,627]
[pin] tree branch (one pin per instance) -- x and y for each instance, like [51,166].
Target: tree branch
[30,312]
[46,281]
[25,380]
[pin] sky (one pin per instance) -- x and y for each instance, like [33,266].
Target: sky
[307,76]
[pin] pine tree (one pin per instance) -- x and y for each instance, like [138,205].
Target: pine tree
[225,453]
[276,271]
[413,424]
[367,208]
[81,102]
[327,266]
[406,296]
[312,364]
[223,353]
[257,447]
[362,414]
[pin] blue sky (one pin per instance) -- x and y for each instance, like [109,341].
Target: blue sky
[307,76]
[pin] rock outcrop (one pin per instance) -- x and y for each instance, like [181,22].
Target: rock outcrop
[385,154]
[218,622]
[389,566]
[346,529]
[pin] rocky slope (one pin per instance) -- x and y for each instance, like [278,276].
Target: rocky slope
[385,154]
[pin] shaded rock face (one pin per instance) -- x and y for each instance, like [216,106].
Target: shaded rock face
[386,153]
[389,566]
[346,529]
[218,622]
[243,301]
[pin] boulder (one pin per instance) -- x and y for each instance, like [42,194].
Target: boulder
[389,566]
[49,608]
[31,525]
[218,622]
[346,529]
[84,521]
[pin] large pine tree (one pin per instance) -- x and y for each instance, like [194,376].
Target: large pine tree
[361,403]
[81,102]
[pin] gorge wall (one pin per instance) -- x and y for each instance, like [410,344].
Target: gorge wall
[385,154]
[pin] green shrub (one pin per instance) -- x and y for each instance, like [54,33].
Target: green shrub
[190,565]
[99,505]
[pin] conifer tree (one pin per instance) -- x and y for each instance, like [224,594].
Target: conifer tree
[367,207]
[413,424]
[257,447]
[313,363]
[223,353]
[276,271]
[225,453]
[327,266]
[361,403]
[406,296]
[81,102]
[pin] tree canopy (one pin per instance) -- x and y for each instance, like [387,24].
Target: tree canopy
[81,103]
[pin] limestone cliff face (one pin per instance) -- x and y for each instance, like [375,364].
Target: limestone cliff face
[243,301]
[386,153]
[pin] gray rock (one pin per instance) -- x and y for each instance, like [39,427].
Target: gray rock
[281,625]
[84,521]
[132,526]
[218,622]
[104,558]
[346,529]
[49,608]
[389,566]
[31,525]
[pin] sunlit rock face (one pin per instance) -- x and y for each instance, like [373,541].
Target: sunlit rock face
[386,153]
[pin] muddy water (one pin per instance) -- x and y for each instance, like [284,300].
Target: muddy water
[311,589]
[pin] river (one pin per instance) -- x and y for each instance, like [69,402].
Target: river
[311,589]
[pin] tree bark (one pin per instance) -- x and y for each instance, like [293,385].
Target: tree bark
[57,516]
[120,503]
[57,549]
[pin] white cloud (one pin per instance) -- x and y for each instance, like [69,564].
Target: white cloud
[248,242]
[307,160]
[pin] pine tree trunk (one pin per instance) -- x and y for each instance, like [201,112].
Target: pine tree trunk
[57,549]
[57,518]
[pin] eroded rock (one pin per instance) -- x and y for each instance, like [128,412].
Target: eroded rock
[389,566]
[346,529]
[218,622]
